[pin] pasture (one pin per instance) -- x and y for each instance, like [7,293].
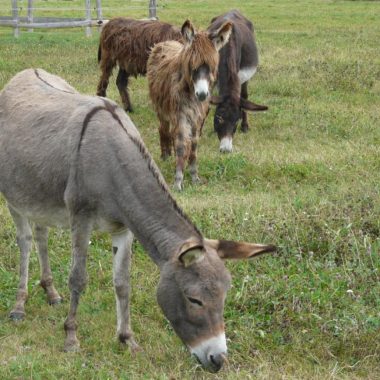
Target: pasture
[306,177]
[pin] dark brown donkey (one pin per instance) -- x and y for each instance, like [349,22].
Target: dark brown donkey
[127,43]
[78,162]
[181,76]
[238,63]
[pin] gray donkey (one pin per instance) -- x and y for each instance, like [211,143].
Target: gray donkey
[78,162]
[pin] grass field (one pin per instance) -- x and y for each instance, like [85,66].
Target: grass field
[306,177]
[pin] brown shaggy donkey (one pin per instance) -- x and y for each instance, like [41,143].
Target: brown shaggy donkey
[127,43]
[180,77]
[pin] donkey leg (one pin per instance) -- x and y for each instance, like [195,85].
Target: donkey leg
[80,235]
[106,67]
[122,250]
[193,157]
[179,146]
[244,95]
[165,139]
[24,241]
[122,85]
[41,237]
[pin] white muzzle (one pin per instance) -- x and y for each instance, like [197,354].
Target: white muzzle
[226,144]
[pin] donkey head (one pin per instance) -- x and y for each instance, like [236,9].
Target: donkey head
[201,57]
[227,115]
[192,291]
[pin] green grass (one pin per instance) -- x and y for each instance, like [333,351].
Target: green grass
[306,177]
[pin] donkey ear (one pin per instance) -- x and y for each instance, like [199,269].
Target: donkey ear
[191,257]
[215,100]
[227,249]
[250,106]
[220,37]
[191,252]
[187,31]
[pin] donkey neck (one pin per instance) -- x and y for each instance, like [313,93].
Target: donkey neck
[228,77]
[160,228]
[144,204]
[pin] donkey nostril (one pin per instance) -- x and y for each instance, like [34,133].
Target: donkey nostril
[217,361]
[201,95]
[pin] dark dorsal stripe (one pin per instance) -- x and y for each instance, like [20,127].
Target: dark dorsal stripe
[86,121]
[49,84]
[112,108]
[107,107]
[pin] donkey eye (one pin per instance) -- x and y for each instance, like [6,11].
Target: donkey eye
[194,300]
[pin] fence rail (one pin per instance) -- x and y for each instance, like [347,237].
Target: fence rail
[30,22]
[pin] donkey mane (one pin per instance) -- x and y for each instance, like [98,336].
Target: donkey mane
[157,175]
[227,56]
[109,107]
[230,79]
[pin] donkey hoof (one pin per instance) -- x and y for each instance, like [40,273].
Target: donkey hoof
[71,347]
[135,348]
[16,315]
[165,156]
[197,181]
[178,186]
[244,128]
[127,339]
[55,301]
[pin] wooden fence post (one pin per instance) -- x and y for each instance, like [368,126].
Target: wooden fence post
[152,9]
[99,14]
[88,17]
[30,14]
[16,31]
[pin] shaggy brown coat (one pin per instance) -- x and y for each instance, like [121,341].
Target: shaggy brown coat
[170,71]
[127,43]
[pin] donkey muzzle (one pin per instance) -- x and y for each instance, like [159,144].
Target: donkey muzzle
[211,353]
[226,144]
[201,88]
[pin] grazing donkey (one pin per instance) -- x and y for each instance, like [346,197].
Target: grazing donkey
[180,77]
[78,162]
[127,43]
[238,63]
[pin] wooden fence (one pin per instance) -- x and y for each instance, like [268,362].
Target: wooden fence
[30,22]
